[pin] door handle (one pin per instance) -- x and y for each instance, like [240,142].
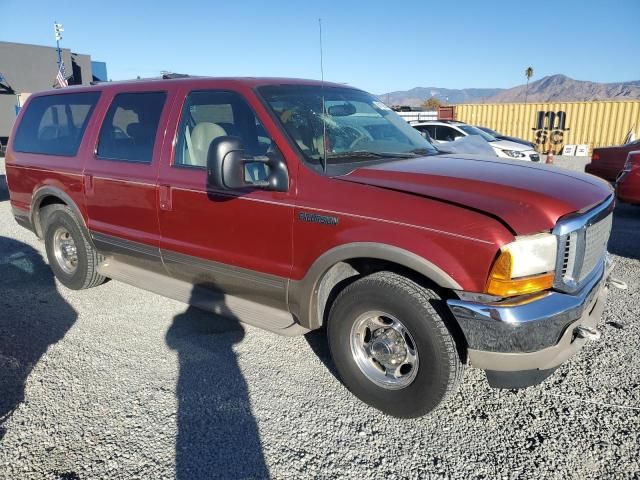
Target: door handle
[88,184]
[165,197]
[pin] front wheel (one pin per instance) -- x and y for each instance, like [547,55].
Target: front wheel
[391,345]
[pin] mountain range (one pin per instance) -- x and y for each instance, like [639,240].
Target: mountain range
[548,89]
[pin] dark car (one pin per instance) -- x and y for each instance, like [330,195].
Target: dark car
[297,204]
[500,136]
[628,181]
[608,162]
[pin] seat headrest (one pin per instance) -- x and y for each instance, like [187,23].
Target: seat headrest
[139,131]
[203,134]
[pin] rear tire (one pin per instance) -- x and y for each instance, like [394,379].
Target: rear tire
[71,256]
[404,361]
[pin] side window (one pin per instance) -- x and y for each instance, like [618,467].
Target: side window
[55,124]
[426,130]
[447,134]
[129,129]
[209,114]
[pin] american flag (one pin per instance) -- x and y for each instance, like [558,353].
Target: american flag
[61,81]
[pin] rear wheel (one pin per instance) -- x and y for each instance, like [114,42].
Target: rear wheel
[71,256]
[391,346]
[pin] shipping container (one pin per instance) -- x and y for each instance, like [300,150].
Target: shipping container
[596,123]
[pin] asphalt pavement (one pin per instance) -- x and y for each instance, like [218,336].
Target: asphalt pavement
[114,382]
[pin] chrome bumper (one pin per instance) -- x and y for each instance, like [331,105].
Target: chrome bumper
[536,333]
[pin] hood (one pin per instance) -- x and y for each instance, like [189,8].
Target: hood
[528,198]
[509,145]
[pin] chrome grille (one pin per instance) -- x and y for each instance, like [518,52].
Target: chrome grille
[582,245]
[597,237]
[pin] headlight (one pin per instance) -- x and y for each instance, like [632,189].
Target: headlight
[526,265]
[513,153]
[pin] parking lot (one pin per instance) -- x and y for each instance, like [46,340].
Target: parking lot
[115,382]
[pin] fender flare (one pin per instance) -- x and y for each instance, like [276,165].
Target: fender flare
[303,294]
[51,191]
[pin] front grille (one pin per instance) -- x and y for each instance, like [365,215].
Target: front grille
[582,245]
[534,157]
[597,237]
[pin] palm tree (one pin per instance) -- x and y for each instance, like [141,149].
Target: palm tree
[527,73]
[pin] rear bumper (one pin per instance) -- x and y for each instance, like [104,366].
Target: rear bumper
[520,342]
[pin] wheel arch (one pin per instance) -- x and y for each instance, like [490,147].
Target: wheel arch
[309,297]
[49,195]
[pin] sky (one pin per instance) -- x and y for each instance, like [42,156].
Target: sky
[379,46]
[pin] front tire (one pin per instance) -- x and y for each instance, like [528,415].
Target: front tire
[71,256]
[391,346]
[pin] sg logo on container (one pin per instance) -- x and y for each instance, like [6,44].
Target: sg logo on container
[549,129]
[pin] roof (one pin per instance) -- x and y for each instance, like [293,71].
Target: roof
[435,122]
[198,82]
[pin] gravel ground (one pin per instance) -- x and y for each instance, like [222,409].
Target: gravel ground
[115,382]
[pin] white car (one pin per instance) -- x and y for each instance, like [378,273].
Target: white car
[445,131]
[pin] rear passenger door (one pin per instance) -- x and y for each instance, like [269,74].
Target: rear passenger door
[120,178]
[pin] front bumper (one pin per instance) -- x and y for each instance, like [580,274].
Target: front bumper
[520,342]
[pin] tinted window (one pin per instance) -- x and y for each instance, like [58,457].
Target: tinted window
[207,115]
[447,134]
[54,124]
[129,128]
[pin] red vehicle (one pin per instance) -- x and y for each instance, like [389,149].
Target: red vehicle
[628,182]
[608,162]
[294,205]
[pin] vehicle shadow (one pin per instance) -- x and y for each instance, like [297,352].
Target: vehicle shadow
[319,344]
[217,434]
[625,234]
[4,189]
[33,316]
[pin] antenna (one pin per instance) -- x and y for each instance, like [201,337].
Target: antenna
[324,111]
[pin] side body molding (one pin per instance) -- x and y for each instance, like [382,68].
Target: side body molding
[46,191]
[304,296]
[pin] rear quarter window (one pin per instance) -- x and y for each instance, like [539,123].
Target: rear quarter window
[55,124]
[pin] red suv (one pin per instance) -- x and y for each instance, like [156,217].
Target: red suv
[294,205]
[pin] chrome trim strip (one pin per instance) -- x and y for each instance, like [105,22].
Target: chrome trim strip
[576,221]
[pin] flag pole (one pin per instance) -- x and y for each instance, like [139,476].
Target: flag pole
[56,28]
[60,76]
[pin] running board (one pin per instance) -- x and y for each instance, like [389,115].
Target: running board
[246,311]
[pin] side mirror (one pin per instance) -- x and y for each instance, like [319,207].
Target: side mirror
[229,168]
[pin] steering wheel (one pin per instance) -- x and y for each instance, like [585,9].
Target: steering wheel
[360,137]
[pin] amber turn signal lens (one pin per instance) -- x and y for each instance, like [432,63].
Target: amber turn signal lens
[502,285]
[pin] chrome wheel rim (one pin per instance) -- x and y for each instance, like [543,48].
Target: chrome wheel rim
[65,251]
[384,350]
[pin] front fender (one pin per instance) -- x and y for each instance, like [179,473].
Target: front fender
[304,294]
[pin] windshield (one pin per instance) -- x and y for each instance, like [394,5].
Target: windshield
[358,126]
[471,130]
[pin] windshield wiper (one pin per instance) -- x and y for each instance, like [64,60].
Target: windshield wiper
[369,154]
[356,154]
[423,151]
